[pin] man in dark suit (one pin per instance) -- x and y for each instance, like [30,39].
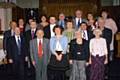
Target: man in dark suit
[40,54]
[17,54]
[9,33]
[86,34]
[78,19]
[48,31]
[107,34]
[29,35]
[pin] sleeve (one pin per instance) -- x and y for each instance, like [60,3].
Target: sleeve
[105,47]
[52,46]
[114,26]
[65,45]
[31,51]
[90,46]
[71,50]
[87,50]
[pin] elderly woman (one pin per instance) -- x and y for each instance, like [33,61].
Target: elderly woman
[98,56]
[58,62]
[78,57]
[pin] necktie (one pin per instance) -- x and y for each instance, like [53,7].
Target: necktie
[84,35]
[62,24]
[40,49]
[32,34]
[78,23]
[19,46]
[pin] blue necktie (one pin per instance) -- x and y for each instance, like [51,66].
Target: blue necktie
[62,24]
[19,46]
[78,23]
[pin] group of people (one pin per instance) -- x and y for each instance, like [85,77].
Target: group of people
[56,49]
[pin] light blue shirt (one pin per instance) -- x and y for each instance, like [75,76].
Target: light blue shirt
[63,42]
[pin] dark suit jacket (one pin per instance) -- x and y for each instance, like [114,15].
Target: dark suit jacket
[84,50]
[107,34]
[12,49]
[34,50]
[28,37]
[47,32]
[6,35]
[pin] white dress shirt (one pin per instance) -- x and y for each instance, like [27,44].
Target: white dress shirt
[16,38]
[51,29]
[58,46]
[77,19]
[84,34]
[98,47]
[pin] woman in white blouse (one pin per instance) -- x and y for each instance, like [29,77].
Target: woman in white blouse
[98,56]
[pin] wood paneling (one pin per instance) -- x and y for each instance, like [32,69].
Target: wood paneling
[68,9]
[17,13]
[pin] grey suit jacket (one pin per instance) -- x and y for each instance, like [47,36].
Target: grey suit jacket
[34,51]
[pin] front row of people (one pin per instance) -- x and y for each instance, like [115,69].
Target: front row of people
[51,58]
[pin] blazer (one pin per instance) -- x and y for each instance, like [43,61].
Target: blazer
[34,50]
[84,50]
[47,32]
[74,21]
[12,49]
[6,35]
[28,37]
[107,34]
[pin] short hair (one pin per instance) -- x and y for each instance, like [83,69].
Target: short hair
[57,26]
[97,30]
[83,23]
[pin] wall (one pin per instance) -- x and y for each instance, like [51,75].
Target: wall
[28,3]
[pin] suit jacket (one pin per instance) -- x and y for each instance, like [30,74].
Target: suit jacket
[6,35]
[47,32]
[34,51]
[28,37]
[12,49]
[74,21]
[107,34]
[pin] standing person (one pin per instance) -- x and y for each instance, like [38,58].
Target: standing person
[91,22]
[9,33]
[110,24]
[58,62]
[48,31]
[78,19]
[39,50]
[17,54]
[79,55]
[29,35]
[43,21]
[61,21]
[21,25]
[69,32]
[98,56]
[86,34]
[106,33]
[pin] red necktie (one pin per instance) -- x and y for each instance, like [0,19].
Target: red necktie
[40,49]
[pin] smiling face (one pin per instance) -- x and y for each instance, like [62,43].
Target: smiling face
[40,33]
[104,14]
[69,25]
[33,25]
[78,13]
[43,19]
[61,16]
[17,31]
[52,20]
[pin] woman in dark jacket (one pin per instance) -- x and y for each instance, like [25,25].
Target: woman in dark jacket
[78,57]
